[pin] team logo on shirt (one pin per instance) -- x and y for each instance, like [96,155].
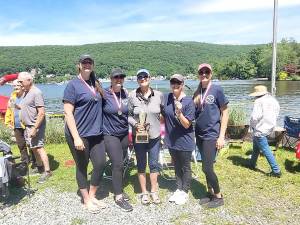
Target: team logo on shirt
[210,99]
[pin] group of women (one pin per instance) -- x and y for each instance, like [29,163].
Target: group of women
[98,120]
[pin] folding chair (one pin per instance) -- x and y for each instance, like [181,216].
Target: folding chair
[12,173]
[292,127]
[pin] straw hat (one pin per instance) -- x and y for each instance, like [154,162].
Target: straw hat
[259,90]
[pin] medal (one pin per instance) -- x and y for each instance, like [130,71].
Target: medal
[119,112]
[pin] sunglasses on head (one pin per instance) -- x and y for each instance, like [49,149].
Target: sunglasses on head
[142,76]
[174,81]
[202,72]
[87,62]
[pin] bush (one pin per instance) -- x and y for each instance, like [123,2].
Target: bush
[295,77]
[282,75]
[237,116]
[5,133]
[55,131]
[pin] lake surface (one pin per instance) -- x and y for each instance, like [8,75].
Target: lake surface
[288,93]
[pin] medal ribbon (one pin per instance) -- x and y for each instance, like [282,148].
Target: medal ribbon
[202,98]
[91,88]
[119,103]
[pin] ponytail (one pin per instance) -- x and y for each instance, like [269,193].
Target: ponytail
[97,84]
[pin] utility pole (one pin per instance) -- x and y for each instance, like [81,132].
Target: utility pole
[274,46]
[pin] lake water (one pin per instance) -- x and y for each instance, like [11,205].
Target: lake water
[288,93]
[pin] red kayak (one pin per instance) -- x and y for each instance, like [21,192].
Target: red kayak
[4,99]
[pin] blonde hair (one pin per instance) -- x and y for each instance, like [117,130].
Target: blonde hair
[196,96]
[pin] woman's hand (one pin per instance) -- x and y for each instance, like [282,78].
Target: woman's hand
[220,143]
[78,143]
[139,127]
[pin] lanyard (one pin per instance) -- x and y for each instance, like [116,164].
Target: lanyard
[91,88]
[119,103]
[202,98]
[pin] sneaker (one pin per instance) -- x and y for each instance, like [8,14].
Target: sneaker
[44,177]
[182,198]
[215,202]
[126,196]
[174,196]
[206,199]
[124,205]
[273,174]
[35,171]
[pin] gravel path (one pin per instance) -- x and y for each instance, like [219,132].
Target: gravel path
[52,207]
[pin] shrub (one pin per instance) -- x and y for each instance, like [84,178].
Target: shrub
[55,131]
[282,75]
[5,133]
[237,116]
[295,77]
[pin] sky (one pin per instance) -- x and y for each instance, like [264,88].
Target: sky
[74,22]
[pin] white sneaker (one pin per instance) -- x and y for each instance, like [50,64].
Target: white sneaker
[174,196]
[182,198]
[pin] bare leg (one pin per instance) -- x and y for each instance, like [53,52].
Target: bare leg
[43,156]
[153,180]
[93,199]
[93,190]
[142,180]
[85,195]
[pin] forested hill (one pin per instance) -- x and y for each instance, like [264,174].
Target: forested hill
[161,58]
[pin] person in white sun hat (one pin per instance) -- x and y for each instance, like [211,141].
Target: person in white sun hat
[263,121]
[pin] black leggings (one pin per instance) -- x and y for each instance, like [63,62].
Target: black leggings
[116,148]
[94,151]
[182,163]
[208,152]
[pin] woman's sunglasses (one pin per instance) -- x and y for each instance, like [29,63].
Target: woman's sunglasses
[119,77]
[174,82]
[142,76]
[87,62]
[202,72]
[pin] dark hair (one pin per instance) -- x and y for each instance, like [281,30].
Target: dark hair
[97,84]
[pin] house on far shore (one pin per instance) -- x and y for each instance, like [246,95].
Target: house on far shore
[292,69]
[50,75]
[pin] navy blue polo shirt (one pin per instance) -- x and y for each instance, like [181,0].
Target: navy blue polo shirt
[87,108]
[114,124]
[177,137]
[208,120]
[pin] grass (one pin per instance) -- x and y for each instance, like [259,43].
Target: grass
[250,196]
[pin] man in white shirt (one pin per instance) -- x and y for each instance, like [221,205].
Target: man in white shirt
[262,122]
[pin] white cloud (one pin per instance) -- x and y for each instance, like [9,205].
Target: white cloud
[14,25]
[142,23]
[219,6]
